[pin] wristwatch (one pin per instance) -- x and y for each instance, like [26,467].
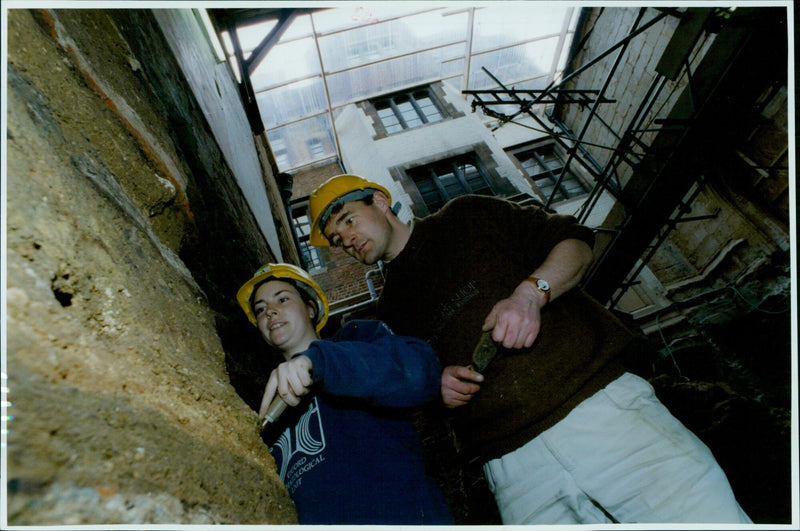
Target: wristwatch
[542,286]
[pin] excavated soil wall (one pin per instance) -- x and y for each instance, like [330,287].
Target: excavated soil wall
[119,280]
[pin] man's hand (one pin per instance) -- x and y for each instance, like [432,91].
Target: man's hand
[291,380]
[459,384]
[516,320]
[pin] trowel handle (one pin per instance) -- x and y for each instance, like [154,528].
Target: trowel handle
[276,407]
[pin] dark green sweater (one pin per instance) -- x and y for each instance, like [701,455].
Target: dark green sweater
[456,265]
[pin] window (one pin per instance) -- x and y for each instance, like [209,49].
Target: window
[280,152]
[315,148]
[301,223]
[443,180]
[543,166]
[407,110]
[371,48]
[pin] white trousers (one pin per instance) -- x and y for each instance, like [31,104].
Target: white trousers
[619,456]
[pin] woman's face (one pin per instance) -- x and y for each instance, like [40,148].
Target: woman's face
[284,319]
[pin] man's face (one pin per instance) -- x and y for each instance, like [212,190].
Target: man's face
[363,231]
[283,318]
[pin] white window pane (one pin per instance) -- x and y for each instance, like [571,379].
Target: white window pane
[357,47]
[356,15]
[291,102]
[373,80]
[251,35]
[302,225]
[409,114]
[428,108]
[386,113]
[498,26]
[453,69]
[455,81]
[432,29]
[393,38]
[316,148]
[293,60]
[390,121]
[300,27]
[514,64]
[298,153]
[393,128]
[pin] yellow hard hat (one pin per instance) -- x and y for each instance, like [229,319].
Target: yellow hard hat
[336,190]
[288,273]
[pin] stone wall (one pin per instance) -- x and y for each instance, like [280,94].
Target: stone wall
[126,239]
[732,205]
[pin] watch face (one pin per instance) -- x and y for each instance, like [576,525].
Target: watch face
[543,285]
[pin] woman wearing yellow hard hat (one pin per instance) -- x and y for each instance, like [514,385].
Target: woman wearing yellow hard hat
[347,451]
[289,273]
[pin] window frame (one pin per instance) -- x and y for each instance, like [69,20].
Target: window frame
[534,151]
[280,152]
[433,172]
[298,208]
[393,101]
[316,148]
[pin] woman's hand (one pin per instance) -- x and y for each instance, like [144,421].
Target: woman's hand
[291,380]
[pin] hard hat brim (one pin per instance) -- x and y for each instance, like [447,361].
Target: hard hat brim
[329,194]
[284,272]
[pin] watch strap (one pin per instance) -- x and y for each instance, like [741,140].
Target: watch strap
[536,281]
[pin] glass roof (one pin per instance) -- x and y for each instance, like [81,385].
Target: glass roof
[330,58]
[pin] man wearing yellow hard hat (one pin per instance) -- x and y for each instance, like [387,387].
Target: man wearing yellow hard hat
[566,435]
[325,206]
[345,449]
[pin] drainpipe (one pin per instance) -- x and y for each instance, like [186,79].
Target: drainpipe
[373,295]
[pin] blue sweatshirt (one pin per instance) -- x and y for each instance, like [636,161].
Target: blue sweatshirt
[349,453]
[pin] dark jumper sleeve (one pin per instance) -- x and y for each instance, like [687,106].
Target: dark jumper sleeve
[366,360]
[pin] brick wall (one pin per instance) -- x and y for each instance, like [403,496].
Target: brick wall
[308,178]
[342,277]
